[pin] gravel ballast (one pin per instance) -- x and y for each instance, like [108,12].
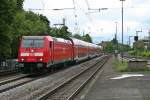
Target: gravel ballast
[34,89]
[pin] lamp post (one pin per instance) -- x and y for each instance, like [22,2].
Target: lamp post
[149,40]
[122,32]
[116,34]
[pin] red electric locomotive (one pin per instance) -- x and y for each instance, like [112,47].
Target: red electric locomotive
[40,53]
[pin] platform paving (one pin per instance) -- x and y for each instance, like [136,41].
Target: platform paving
[127,88]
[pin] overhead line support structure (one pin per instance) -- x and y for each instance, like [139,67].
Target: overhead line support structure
[122,31]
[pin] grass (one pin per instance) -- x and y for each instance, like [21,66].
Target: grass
[123,67]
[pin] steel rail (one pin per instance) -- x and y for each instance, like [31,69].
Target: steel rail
[54,90]
[12,79]
[7,72]
[87,81]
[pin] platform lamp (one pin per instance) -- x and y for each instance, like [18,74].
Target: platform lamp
[122,31]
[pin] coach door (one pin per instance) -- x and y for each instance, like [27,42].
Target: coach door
[51,45]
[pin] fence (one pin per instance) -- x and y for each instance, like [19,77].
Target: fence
[8,64]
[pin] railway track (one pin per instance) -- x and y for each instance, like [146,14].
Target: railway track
[21,79]
[11,78]
[19,89]
[10,84]
[71,87]
[18,81]
[7,72]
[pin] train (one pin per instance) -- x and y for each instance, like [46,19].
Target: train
[42,53]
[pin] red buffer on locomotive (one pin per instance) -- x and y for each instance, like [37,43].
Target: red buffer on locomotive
[40,53]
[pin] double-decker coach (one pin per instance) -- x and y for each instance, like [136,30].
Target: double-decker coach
[40,53]
[80,49]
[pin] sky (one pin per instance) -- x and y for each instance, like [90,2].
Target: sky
[100,25]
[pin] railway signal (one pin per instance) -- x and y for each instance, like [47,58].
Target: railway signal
[136,38]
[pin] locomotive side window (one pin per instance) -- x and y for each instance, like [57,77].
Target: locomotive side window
[37,43]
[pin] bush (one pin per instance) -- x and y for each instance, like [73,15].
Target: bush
[133,52]
[140,53]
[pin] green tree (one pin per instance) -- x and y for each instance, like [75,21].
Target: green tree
[87,38]
[53,31]
[20,28]
[20,4]
[109,47]
[7,14]
[63,32]
[114,41]
[139,45]
[77,36]
[45,20]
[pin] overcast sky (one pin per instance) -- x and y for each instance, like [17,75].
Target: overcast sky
[100,25]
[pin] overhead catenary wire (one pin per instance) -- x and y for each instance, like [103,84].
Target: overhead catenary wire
[87,3]
[87,14]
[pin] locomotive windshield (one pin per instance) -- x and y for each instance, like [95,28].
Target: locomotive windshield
[33,43]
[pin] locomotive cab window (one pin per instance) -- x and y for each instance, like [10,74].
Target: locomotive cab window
[30,43]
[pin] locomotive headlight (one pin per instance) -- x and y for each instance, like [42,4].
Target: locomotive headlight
[22,59]
[41,59]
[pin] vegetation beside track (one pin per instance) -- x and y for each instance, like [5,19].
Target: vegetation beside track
[123,67]
[120,66]
[140,53]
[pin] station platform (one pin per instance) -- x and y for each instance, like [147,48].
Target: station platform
[113,85]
